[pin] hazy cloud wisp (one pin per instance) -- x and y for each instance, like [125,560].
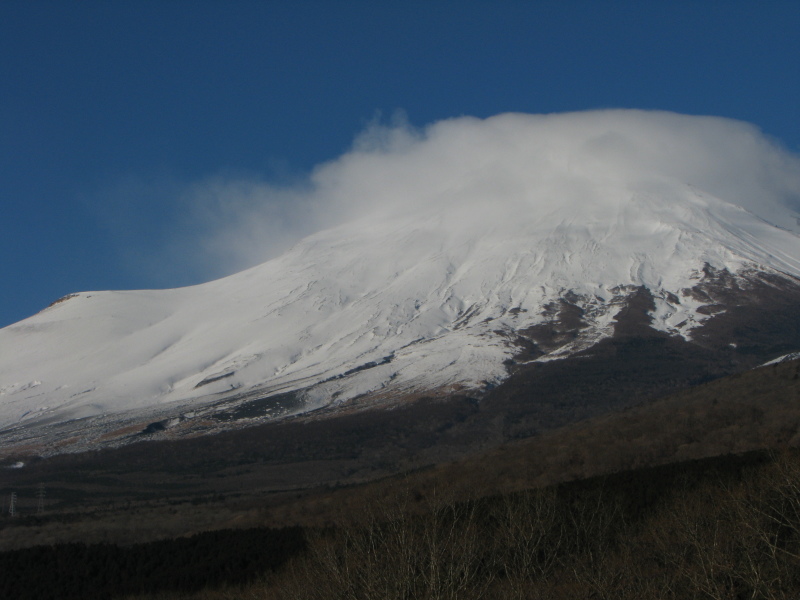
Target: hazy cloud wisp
[502,162]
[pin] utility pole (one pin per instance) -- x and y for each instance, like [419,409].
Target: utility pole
[12,509]
[40,493]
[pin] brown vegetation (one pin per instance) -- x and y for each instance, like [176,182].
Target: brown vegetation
[757,409]
[725,530]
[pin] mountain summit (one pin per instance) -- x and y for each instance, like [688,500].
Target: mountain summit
[461,252]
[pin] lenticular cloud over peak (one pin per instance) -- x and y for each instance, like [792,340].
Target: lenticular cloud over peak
[467,169]
[512,160]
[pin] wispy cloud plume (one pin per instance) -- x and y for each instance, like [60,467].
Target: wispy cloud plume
[228,223]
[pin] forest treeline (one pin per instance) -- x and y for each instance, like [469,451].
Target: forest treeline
[723,528]
[100,571]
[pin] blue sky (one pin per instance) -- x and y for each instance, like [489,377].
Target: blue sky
[116,118]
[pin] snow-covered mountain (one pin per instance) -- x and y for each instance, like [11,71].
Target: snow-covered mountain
[488,227]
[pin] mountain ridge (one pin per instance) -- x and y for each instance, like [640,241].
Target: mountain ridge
[437,296]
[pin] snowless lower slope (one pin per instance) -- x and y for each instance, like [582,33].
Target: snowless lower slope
[398,301]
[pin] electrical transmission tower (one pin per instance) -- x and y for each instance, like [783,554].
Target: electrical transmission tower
[40,493]
[12,508]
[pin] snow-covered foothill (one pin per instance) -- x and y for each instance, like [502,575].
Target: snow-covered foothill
[782,359]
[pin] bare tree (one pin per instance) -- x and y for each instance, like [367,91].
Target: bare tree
[530,535]
[395,553]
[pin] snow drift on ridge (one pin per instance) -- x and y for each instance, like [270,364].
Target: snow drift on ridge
[448,241]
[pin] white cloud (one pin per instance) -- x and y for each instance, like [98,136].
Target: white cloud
[494,164]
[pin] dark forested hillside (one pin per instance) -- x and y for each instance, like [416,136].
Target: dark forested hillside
[87,572]
[721,528]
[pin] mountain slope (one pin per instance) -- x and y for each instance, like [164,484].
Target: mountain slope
[426,295]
